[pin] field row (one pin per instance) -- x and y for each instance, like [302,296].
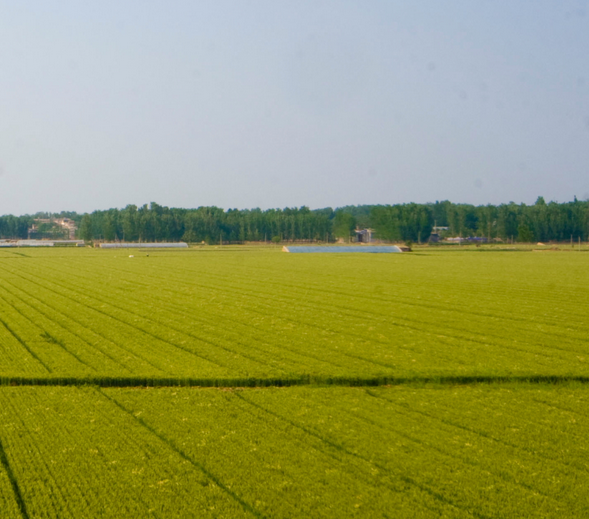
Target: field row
[481,451]
[221,316]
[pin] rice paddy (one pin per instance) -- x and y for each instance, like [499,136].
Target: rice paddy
[431,384]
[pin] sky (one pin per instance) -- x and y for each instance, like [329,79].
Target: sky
[273,103]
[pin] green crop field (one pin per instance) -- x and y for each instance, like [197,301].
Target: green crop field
[219,316]
[432,384]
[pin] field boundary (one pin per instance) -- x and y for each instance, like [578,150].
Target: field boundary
[307,380]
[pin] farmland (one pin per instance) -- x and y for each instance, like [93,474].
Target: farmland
[224,316]
[431,384]
[509,451]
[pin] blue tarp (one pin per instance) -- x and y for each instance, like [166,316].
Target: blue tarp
[335,248]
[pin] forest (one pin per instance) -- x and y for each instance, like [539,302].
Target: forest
[152,222]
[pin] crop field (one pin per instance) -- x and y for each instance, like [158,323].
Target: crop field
[233,381]
[223,317]
[488,451]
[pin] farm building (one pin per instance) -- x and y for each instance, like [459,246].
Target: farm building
[51,227]
[364,235]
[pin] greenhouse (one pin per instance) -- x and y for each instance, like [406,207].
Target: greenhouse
[179,245]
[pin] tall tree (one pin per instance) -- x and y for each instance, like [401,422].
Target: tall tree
[85,231]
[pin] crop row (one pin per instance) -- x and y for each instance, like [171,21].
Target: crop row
[457,311]
[482,451]
[240,315]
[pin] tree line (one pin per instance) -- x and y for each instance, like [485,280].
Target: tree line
[400,222]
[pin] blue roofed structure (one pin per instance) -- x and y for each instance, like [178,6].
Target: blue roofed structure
[335,248]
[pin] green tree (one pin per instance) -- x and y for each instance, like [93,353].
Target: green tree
[85,231]
[343,224]
[108,228]
[524,234]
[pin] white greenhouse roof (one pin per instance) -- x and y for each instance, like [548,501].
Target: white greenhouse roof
[179,245]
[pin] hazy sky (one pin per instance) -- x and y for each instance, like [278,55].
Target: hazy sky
[274,103]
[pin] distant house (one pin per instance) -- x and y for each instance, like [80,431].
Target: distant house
[69,225]
[437,233]
[364,235]
[50,227]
